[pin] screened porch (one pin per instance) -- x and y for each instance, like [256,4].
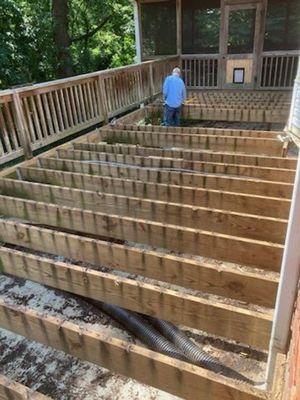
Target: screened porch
[223,44]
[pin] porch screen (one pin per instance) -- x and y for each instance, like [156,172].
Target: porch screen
[283,25]
[159,28]
[200,26]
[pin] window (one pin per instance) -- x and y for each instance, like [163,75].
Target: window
[159,28]
[200,26]
[282,25]
[241,31]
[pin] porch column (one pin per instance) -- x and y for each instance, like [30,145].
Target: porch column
[259,43]
[138,32]
[179,27]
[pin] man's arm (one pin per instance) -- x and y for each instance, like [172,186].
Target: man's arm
[183,93]
[165,88]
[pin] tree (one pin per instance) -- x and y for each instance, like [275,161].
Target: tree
[47,39]
[60,12]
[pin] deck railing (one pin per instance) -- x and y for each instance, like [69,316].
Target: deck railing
[200,71]
[34,116]
[279,70]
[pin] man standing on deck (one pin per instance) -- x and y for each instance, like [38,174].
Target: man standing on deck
[174,93]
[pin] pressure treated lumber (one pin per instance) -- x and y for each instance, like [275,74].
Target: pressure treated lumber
[235,224]
[119,356]
[234,114]
[252,204]
[207,276]
[204,180]
[266,173]
[11,390]
[191,155]
[260,254]
[199,130]
[272,147]
[243,325]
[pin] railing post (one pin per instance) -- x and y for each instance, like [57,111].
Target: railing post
[103,99]
[151,76]
[21,126]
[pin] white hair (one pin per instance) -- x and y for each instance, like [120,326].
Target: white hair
[176,71]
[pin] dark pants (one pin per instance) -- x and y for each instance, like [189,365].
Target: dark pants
[171,116]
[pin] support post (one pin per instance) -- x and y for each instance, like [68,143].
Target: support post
[137,27]
[259,44]
[151,80]
[222,46]
[290,272]
[103,97]
[179,27]
[21,126]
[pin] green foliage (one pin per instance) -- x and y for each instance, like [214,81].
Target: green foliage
[27,49]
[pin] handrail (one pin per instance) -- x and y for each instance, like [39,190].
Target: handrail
[36,115]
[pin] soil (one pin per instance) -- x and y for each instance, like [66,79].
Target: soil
[63,377]
[52,372]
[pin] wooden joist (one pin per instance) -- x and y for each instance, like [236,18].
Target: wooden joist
[266,146]
[162,372]
[242,284]
[11,390]
[216,113]
[230,201]
[231,223]
[212,316]
[266,173]
[191,155]
[198,130]
[260,254]
[204,180]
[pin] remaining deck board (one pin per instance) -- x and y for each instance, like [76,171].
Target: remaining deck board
[235,224]
[208,181]
[191,155]
[11,390]
[249,327]
[260,254]
[134,361]
[266,173]
[266,146]
[242,284]
[238,202]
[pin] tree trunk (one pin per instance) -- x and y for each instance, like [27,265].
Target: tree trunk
[60,11]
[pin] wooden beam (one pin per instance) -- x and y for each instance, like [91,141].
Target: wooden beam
[192,155]
[218,113]
[196,130]
[266,173]
[235,224]
[249,327]
[11,390]
[181,379]
[179,27]
[184,240]
[263,146]
[208,181]
[246,285]
[253,204]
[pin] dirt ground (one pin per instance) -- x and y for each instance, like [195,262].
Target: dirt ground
[65,378]
[52,372]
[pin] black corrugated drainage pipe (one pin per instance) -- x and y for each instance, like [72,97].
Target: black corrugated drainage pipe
[142,330]
[166,338]
[193,352]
